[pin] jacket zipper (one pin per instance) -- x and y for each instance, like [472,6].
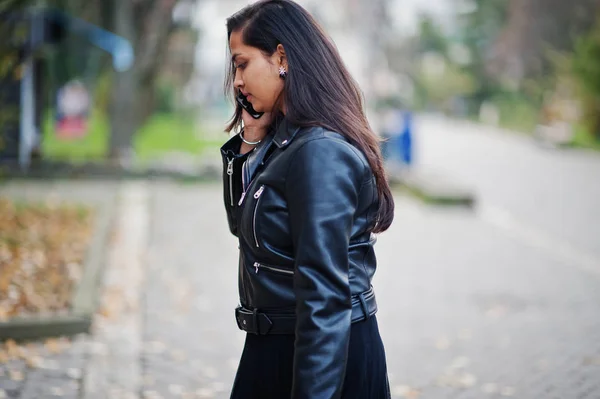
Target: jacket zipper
[244,194]
[242,198]
[245,191]
[273,269]
[230,173]
[257,195]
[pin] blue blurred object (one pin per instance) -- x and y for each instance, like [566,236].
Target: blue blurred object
[118,47]
[398,144]
[406,139]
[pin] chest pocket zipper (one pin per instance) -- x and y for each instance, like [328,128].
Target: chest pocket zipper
[258,266]
[257,196]
[230,174]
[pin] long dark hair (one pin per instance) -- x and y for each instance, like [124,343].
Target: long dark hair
[318,89]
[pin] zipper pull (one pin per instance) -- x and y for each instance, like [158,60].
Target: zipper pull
[259,192]
[256,265]
[242,199]
[230,166]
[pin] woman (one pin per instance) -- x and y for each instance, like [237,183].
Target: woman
[304,190]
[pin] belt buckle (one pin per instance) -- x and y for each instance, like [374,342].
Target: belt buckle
[256,318]
[363,305]
[243,317]
[270,324]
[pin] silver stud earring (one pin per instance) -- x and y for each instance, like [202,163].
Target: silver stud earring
[282,72]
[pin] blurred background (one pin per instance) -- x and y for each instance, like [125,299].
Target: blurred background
[488,281]
[527,65]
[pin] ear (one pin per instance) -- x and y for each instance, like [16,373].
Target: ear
[281,56]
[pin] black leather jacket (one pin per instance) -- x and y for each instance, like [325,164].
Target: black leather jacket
[302,203]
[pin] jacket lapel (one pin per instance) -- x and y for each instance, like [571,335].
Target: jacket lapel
[257,157]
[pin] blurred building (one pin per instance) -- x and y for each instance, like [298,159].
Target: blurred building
[361,29]
[357,27]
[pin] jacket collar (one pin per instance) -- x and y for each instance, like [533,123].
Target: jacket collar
[283,136]
[285,133]
[256,158]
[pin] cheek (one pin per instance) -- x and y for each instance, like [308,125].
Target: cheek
[263,81]
[269,91]
[272,81]
[261,77]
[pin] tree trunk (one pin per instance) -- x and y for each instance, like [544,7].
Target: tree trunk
[123,109]
[147,25]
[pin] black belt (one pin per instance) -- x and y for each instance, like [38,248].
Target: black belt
[255,322]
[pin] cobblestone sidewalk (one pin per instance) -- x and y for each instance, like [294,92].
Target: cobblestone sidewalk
[466,311]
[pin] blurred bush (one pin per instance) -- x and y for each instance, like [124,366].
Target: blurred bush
[517,63]
[586,68]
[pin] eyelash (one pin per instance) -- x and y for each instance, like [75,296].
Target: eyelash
[241,66]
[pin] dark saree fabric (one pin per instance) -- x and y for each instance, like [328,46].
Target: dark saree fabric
[265,370]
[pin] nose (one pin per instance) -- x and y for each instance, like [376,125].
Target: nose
[238,83]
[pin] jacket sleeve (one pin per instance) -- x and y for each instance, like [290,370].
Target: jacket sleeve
[232,179]
[322,189]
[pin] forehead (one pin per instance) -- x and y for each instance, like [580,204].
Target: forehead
[238,47]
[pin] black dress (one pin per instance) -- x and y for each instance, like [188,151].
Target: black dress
[265,369]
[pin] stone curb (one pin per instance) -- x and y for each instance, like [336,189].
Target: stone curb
[28,328]
[85,295]
[56,170]
[115,371]
[433,188]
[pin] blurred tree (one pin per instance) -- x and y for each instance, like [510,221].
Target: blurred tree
[14,30]
[532,29]
[431,38]
[441,84]
[12,5]
[524,55]
[480,24]
[586,67]
[150,27]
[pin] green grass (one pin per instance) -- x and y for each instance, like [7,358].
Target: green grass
[517,114]
[92,147]
[165,132]
[583,139]
[161,134]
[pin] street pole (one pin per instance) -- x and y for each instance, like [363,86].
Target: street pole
[27,130]
[27,133]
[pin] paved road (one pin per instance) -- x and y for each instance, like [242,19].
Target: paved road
[554,192]
[191,337]
[484,304]
[466,311]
